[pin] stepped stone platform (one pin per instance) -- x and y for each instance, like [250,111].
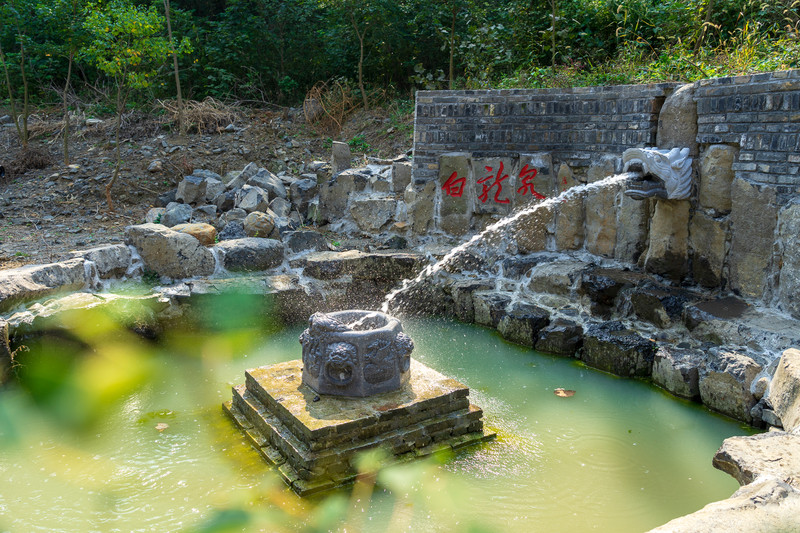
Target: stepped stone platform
[313,439]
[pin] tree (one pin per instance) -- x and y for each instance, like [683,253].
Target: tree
[126,45]
[181,120]
[14,11]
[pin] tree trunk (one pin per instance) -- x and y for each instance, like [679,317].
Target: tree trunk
[554,5]
[181,121]
[11,100]
[360,35]
[701,38]
[66,108]
[24,93]
[452,44]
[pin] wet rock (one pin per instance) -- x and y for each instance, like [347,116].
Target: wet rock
[334,195]
[490,307]
[361,265]
[560,337]
[557,277]
[154,215]
[373,212]
[660,306]
[422,298]
[531,230]
[6,355]
[754,217]
[676,370]
[775,455]
[707,241]
[569,224]
[266,180]
[602,285]
[395,242]
[252,198]
[765,506]
[304,241]
[251,254]
[170,253]
[232,230]
[601,221]
[420,202]
[668,251]
[784,390]
[259,224]
[111,261]
[789,281]
[715,178]
[205,233]
[175,214]
[191,189]
[31,282]
[725,383]
[611,347]
[462,293]
[522,323]
[632,226]
[401,176]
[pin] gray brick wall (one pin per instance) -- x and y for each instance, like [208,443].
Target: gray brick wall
[760,113]
[575,125]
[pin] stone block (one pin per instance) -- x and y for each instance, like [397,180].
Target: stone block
[191,190]
[420,202]
[252,198]
[668,252]
[493,185]
[569,224]
[660,306]
[522,323]
[304,241]
[455,182]
[532,228]
[490,307]
[401,176]
[725,383]
[601,221]
[462,293]
[677,121]
[111,261]
[373,212]
[170,253]
[754,217]
[676,370]
[535,180]
[560,337]
[340,157]
[214,188]
[784,390]
[37,281]
[250,254]
[556,277]
[603,167]
[302,191]
[268,182]
[613,348]
[715,178]
[602,285]
[708,245]
[632,227]
[175,214]
[789,245]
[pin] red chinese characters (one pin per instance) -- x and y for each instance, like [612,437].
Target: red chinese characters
[454,186]
[526,176]
[496,181]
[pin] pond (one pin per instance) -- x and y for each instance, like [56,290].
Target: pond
[618,456]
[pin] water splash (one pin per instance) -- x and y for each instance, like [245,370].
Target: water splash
[494,234]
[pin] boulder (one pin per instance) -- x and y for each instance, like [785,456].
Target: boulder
[789,244]
[225,201]
[31,282]
[668,252]
[677,121]
[302,192]
[373,212]
[613,348]
[725,383]
[556,277]
[232,230]
[784,390]
[754,217]
[306,241]
[175,214]
[281,207]
[335,194]
[266,180]
[170,253]
[490,307]
[252,198]
[259,224]
[239,180]
[522,323]
[205,233]
[230,216]
[560,337]
[214,188]
[191,190]
[715,178]
[775,455]
[676,370]
[111,261]
[250,254]
[206,214]
[708,244]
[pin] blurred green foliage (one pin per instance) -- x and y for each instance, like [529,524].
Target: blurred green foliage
[275,50]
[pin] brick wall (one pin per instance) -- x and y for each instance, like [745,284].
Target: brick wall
[575,125]
[759,113]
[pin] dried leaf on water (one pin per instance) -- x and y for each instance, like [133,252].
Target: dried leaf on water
[563,393]
[161,426]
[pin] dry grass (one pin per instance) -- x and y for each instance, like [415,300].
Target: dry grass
[28,159]
[208,116]
[327,105]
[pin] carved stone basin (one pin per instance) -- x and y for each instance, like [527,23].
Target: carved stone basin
[355,353]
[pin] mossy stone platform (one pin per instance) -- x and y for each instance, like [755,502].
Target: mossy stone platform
[312,439]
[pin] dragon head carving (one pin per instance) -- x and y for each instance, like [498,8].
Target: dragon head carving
[665,174]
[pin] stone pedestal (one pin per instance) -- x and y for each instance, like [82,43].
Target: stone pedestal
[314,439]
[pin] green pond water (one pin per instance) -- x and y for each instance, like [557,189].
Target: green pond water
[618,456]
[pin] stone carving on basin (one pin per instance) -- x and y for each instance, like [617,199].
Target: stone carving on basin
[665,174]
[355,353]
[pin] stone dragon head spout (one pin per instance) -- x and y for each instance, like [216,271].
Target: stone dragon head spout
[665,174]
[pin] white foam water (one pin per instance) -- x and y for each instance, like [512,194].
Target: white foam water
[495,231]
